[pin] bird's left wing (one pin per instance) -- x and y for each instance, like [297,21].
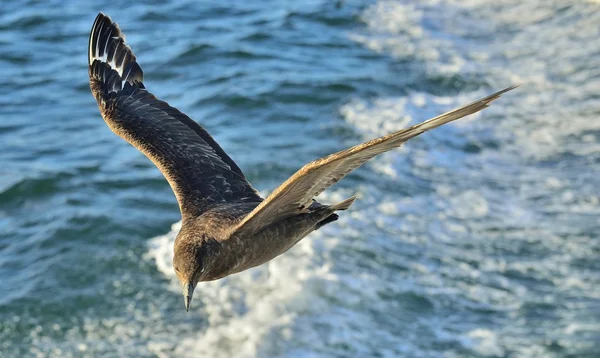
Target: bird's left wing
[200,173]
[296,194]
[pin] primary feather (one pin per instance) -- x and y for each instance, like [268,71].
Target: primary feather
[200,173]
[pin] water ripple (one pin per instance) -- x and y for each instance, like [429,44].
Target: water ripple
[478,239]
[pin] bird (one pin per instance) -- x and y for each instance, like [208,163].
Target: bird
[227,226]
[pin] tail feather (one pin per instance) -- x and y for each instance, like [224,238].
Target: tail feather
[111,61]
[343,205]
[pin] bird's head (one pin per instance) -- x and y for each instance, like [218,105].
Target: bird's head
[190,264]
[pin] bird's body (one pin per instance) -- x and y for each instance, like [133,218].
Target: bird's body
[228,252]
[227,227]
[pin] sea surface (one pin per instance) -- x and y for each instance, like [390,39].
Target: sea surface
[479,239]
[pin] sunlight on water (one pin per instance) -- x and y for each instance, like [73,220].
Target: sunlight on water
[477,239]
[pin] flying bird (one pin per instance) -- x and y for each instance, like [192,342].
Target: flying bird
[227,227]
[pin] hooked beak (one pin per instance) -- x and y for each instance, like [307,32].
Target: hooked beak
[188,291]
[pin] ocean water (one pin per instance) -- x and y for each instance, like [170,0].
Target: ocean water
[479,239]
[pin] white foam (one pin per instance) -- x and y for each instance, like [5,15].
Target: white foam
[537,121]
[379,117]
[382,116]
[540,116]
[485,342]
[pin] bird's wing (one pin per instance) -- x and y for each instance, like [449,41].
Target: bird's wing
[200,173]
[296,194]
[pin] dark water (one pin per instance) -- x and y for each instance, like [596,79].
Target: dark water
[479,239]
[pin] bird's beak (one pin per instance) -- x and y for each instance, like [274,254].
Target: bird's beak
[188,291]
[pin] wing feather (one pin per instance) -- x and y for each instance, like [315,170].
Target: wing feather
[297,193]
[200,173]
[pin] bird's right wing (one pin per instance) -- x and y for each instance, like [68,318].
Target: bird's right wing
[199,171]
[296,194]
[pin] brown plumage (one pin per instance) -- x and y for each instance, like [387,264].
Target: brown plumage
[227,227]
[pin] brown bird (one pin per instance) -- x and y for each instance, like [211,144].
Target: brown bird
[226,226]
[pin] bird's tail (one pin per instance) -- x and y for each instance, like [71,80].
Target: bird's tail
[112,64]
[343,205]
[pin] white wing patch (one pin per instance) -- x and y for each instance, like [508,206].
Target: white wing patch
[108,47]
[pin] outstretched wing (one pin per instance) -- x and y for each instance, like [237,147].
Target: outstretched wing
[199,171]
[296,194]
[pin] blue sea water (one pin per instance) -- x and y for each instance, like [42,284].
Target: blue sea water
[479,239]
